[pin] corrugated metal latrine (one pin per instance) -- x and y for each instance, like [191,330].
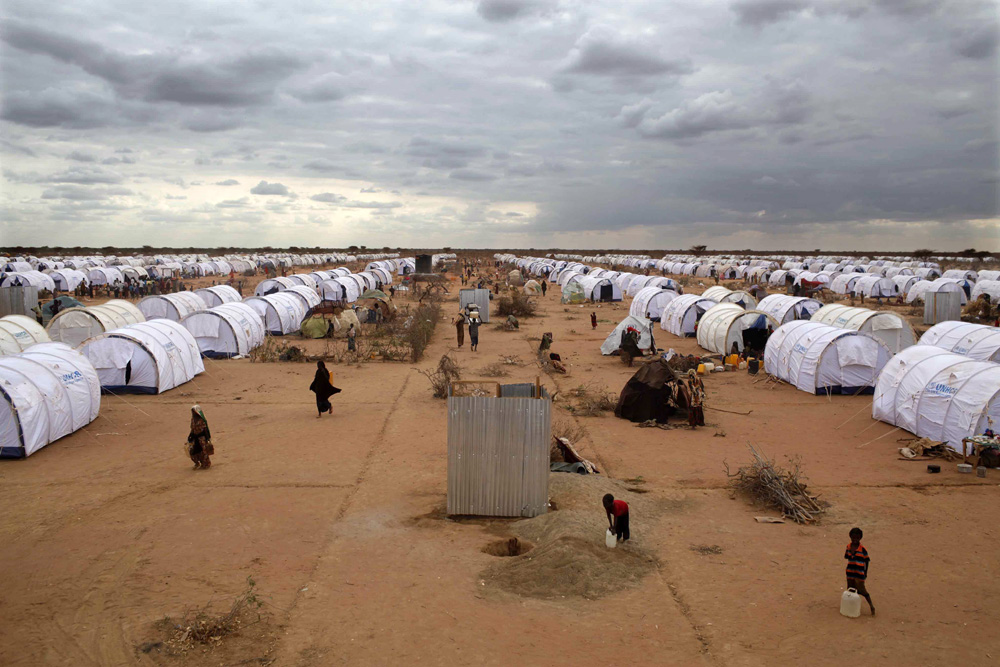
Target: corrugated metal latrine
[498,453]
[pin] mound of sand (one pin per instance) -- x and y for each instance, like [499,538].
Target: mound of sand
[569,558]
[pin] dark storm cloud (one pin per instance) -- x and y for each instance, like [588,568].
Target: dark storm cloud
[760,12]
[265,188]
[57,108]
[977,43]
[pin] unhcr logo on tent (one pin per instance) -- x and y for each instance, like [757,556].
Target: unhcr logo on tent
[942,389]
[72,378]
[799,348]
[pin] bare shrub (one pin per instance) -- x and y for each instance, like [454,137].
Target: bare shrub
[495,370]
[202,628]
[515,304]
[591,401]
[767,484]
[447,371]
[569,429]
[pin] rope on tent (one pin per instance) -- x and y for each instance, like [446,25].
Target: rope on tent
[898,428]
[105,389]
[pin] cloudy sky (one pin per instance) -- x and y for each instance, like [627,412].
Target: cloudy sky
[840,124]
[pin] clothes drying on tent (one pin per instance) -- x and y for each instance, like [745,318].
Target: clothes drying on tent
[50,391]
[818,358]
[216,295]
[145,358]
[938,395]
[227,330]
[642,327]
[887,326]
[682,314]
[175,306]
[76,325]
[18,332]
[727,325]
[650,302]
[785,308]
[976,341]
[281,313]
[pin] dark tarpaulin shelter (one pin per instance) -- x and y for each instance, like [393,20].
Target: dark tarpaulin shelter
[655,392]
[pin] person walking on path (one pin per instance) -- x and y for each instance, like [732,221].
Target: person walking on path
[617,511]
[352,335]
[199,442]
[544,287]
[593,320]
[323,388]
[459,323]
[857,566]
[474,323]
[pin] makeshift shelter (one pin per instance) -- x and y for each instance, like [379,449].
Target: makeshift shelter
[938,395]
[785,308]
[145,358]
[682,314]
[75,325]
[18,332]
[888,327]
[515,278]
[728,324]
[721,294]
[649,302]
[281,313]
[175,306]
[216,295]
[614,339]
[533,288]
[656,392]
[572,292]
[227,330]
[49,391]
[976,341]
[65,303]
[821,359]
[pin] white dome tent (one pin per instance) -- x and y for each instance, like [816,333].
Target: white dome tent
[976,341]
[227,330]
[18,332]
[216,295]
[272,285]
[938,395]
[614,339]
[724,325]
[175,306]
[75,325]
[844,283]
[105,276]
[990,288]
[651,301]
[281,313]
[145,358]
[819,359]
[306,294]
[784,308]
[921,288]
[340,289]
[50,391]
[721,294]
[888,327]
[37,279]
[682,314]
[68,279]
[876,287]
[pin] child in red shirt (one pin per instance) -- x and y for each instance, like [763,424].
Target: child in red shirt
[617,516]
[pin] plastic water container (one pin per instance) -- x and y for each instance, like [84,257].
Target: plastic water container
[753,366]
[743,366]
[701,369]
[611,541]
[709,367]
[850,603]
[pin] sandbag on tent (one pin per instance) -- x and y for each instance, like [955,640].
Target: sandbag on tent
[785,308]
[227,330]
[938,395]
[76,325]
[18,332]
[216,295]
[727,325]
[976,341]
[145,358]
[50,391]
[721,294]
[614,339]
[887,326]
[649,302]
[819,359]
[282,313]
[175,306]
[682,314]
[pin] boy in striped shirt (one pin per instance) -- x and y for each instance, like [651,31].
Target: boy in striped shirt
[857,566]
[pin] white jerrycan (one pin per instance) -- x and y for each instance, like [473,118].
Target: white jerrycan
[850,603]
[611,541]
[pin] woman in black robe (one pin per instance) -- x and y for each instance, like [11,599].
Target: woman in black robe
[323,388]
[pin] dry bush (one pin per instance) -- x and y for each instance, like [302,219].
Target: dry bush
[273,350]
[766,483]
[202,628]
[517,305]
[447,371]
[591,401]
[569,429]
[495,370]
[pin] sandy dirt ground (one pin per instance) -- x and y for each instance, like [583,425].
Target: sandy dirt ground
[340,521]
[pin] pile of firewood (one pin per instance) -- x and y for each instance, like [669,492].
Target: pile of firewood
[766,483]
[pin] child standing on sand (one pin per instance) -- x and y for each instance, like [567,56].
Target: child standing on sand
[857,566]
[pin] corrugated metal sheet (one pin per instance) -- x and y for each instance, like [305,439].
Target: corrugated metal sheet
[480,297]
[498,455]
[942,307]
[18,300]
